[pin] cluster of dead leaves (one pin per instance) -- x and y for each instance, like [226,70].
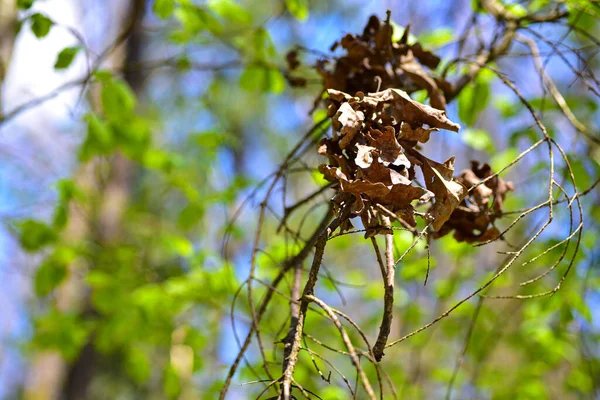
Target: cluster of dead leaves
[372,156]
[374,152]
[473,220]
[373,62]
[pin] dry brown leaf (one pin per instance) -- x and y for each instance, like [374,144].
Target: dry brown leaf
[419,134]
[391,151]
[414,70]
[482,193]
[415,113]
[448,193]
[348,122]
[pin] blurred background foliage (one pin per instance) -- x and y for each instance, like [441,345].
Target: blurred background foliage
[130,134]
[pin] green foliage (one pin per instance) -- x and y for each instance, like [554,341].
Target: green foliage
[262,79]
[40,25]
[118,101]
[25,4]
[474,98]
[65,57]
[53,270]
[172,385]
[66,333]
[196,19]
[67,191]
[436,38]
[34,235]
[163,8]
[501,160]
[99,139]
[231,11]
[478,139]
[298,8]
[138,365]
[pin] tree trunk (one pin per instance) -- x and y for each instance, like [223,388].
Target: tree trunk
[50,376]
[8,23]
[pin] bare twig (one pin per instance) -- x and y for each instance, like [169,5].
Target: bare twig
[297,327]
[347,342]
[388,309]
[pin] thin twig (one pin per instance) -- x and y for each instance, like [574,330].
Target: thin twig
[388,309]
[347,342]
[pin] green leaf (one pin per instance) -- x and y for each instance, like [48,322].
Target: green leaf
[196,19]
[256,78]
[137,365]
[178,245]
[230,11]
[118,100]
[398,32]
[257,47]
[332,393]
[171,384]
[298,8]
[191,215]
[40,25]
[437,37]
[474,98]
[526,133]
[318,178]
[66,333]
[263,45]
[516,9]
[65,57]
[213,139]
[134,136]
[33,235]
[197,341]
[478,139]
[501,160]
[53,271]
[506,107]
[99,139]
[158,160]
[163,8]
[582,176]
[24,4]
[103,75]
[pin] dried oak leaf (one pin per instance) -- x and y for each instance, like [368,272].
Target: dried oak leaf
[383,37]
[391,151]
[469,226]
[414,70]
[347,122]
[499,186]
[357,49]
[373,168]
[356,187]
[448,193]
[331,149]
[402,195]
[472,220]
[426,57]
[482,193]
[413,112]
[418,134]
[364,156]
[338,96]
